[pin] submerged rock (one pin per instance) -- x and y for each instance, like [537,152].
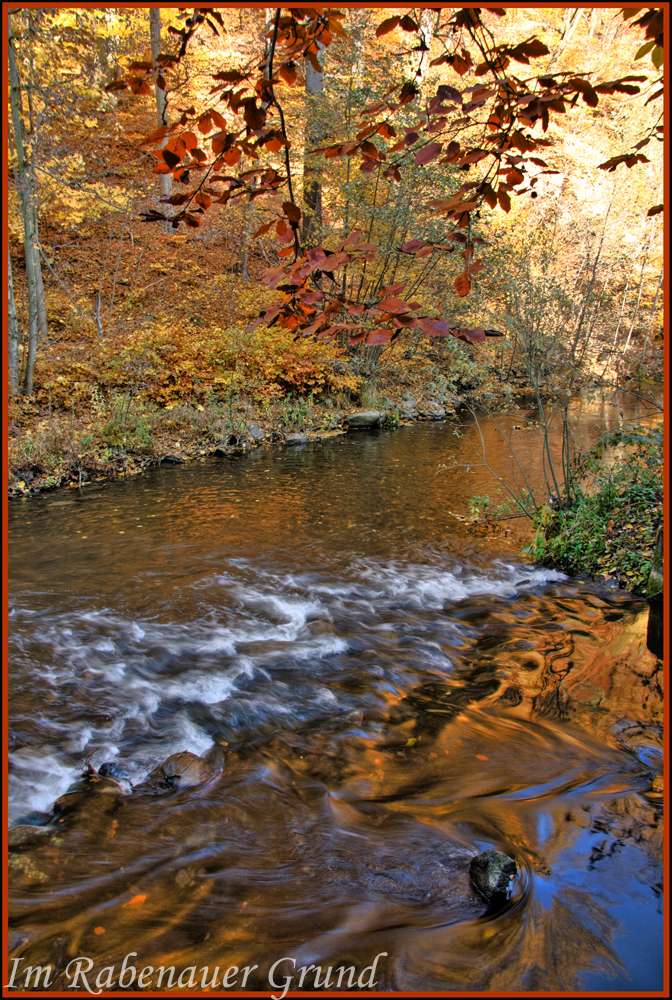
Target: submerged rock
[492,873]
[25,836]
[185,769]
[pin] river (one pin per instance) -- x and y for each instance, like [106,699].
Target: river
[394,691]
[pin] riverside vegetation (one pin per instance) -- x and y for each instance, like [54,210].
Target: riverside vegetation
[130,342]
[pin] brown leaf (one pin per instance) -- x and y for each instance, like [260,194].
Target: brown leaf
[378,337]
[504,200]
[462,284]
[288,72]
[412,245]
[398,286]
[335,260]
[393,305]
[433,327]
[471,336]
[389,24]
[292,211]
[655,210]
[205,124]
[171,159]
[428,153]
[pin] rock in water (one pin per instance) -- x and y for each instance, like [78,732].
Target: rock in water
[493,873]
[363,419]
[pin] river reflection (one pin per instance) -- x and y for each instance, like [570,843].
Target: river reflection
[394,692]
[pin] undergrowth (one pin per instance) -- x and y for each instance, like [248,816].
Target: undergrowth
[609,530]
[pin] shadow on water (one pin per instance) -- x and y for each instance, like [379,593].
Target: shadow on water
[392,694]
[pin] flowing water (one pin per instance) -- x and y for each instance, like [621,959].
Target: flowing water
[393,691]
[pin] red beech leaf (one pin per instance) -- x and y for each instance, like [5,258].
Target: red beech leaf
[393,305]
[288,72]
[433,327]
[170,158]
[504,200]
[378,337]
[462,284]
[232,156]
[428,153]
[264,229]
[475,336]
[412,245]
[335,260]
[292,211]
[389,24]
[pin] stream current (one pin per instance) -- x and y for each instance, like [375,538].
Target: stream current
[394,691]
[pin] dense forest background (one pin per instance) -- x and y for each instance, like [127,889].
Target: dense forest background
[129,338]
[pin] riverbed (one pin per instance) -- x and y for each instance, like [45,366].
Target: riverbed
[394,689]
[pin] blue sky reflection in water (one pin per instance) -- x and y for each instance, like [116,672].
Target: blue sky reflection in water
[389,684]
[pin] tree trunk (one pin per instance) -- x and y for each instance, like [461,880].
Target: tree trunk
[427,19]
[23,181]
[42,321]
[653,309]
[12,332]
[161,102]
[312,170]
[572,18]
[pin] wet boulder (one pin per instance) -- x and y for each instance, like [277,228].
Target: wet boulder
[186,769]
[255,433]
[91,796]
[295,440]
[24,837]
[431,410]
[408,409]
[492,873]
[363,420]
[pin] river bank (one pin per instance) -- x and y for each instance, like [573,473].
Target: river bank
[608,533]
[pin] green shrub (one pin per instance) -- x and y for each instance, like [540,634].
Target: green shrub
[609,529]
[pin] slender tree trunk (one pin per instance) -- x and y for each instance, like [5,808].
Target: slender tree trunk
[12,332]
[641,285]
[248,211]
[42,321]
[312,170]
[161,102]
[22,176]
[572,18]
[427,18]
[653,309]
[587,297]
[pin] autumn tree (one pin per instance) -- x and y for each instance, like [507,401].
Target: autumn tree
[27,188]
[493,128]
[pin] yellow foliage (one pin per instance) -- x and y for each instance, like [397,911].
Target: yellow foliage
[169,364]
